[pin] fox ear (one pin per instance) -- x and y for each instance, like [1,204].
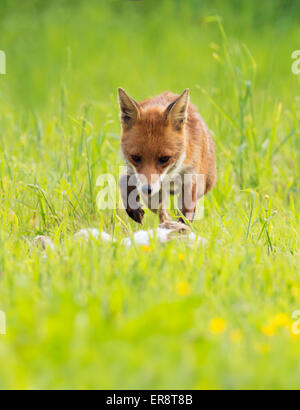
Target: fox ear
[177,110]
[130,109]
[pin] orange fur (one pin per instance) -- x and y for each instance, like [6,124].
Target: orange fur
[167,125]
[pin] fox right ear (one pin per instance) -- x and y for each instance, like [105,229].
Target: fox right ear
[130,109]
[177,111]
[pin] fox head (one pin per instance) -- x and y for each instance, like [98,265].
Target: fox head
[153,138]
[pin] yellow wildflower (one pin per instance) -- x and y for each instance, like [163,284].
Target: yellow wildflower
[217,326]
[281,320]
[146,248]
[183,288]
[278,321]
[181,257]
[268,330]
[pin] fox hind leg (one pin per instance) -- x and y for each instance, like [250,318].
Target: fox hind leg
[188,203]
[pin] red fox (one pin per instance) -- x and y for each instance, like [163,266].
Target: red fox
[165,138]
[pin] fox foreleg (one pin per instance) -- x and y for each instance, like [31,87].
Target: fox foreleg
[158,206]
[166,221]
[131,198]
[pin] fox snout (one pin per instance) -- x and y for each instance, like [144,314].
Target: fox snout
[147,189]
[149,184]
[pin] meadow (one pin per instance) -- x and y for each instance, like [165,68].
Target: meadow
[89,314]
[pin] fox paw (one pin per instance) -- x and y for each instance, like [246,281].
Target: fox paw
[137,215]
[175,226]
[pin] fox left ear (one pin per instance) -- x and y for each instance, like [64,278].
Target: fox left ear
[177,110]
[130,109]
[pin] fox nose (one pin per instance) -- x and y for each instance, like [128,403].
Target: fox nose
[146,189]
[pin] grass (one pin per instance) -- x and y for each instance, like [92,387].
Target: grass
[95,315]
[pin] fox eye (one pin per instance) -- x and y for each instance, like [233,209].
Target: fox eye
[136,158]
[163,160]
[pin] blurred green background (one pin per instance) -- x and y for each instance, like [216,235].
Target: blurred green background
[94,315]
[92,47]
